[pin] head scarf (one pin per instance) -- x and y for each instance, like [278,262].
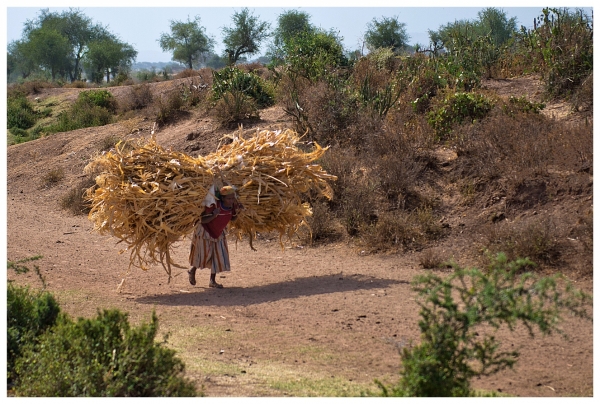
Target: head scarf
[226,190]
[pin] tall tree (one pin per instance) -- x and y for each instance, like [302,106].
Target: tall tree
[188,42]
[51,50]
[19,59]
[386,33]
[494,22]
[289,24]
[491,22]
[107,55]
[75,27]
[245,36]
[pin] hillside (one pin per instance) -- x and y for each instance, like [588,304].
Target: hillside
[309,319]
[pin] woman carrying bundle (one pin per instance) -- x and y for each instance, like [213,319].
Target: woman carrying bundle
[209,243]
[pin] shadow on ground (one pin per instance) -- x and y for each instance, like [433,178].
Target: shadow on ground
[235,296]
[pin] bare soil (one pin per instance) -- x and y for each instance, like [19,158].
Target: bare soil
[302,320]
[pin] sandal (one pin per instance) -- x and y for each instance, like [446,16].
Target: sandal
[192,276]
[215,285]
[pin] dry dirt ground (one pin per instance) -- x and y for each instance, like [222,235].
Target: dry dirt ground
[300,321]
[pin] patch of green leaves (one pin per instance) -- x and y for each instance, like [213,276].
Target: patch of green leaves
[231,80]
[455,310]
[457,108]
[101,357]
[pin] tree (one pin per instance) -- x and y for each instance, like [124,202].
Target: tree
[73,25]
[75,29]
[108,55]
[19,59]
[50,49]
[387,33]
[245,36]
[312,54]
[290,24]
[491,22]
[494,22]
[188,42]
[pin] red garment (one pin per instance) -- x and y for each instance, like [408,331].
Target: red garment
[216,226]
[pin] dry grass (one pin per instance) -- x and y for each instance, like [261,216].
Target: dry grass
[53,177]
[535,238]
[74,200]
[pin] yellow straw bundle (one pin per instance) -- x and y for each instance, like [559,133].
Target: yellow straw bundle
[150,197]
[272,175]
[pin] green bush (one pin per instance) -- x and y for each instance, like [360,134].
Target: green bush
[101,357]
[100,98]
[92,108]
[20,113]
[522,104]
[455,109]
[232,80]
[29,314]
[455,311]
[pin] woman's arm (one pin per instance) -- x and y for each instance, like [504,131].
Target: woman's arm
[209,217]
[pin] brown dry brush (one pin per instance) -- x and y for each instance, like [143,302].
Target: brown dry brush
[150,198]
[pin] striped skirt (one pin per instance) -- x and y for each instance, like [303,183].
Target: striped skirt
[208,252]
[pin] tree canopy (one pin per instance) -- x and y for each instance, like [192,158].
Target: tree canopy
[57,43]
[290,24]
[188,42]
[386,33]
[245,36]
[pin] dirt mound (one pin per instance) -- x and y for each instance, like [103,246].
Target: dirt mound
[299,319]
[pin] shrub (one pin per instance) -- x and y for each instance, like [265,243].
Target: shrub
[392,230]
[377,88]
[168,106]
[92,108]
[20,113]
[321,222]
[232,80]
[235,106]
[102,356]
[535,239]
[456,108]
[562,42]
[53,177]
[74,200]
[432,259]
[29,314]
[522,104]
[456,309]
[140,96]
[186,73]
[99,98]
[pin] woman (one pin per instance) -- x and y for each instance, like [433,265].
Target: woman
[209,244]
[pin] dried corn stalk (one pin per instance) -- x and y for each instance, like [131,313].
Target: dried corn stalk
[150,197]
[272,174]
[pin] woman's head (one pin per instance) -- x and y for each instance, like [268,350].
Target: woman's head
[227,195]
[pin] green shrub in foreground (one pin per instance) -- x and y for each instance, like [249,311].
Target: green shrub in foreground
[29,314]
[101,357]
[452,351]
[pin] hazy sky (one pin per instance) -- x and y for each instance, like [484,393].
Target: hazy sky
[142,26]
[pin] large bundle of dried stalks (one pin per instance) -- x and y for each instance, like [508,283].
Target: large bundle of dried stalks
[150,197]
